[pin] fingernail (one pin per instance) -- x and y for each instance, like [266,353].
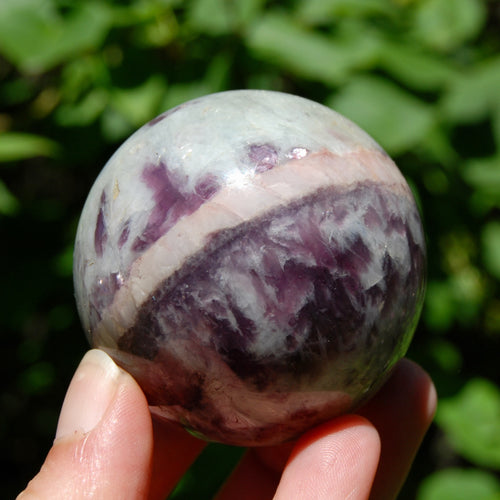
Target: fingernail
[91,391]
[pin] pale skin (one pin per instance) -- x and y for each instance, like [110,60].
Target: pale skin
[108,446]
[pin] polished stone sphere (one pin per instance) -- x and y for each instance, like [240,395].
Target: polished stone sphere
[255,261]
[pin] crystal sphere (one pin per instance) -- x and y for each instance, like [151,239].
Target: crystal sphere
[255,260]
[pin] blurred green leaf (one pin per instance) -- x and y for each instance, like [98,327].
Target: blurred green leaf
[114,127]
[63,263]
[490,237]
[84,112]
[218,17]
[469,290]
[180,93]
[414,67]
[471,420]
[458,297]
[484,175]
[439,310]
[277,38]
[496,125]
[327,11]
[396,119]
[61,317]
[220,460]
[445,24]
[19,146]
[446,355]
[439,149]
[460,484]
[84,75]
[158,32]
[435,181]
[9,204]
[36,37]
[140,104]
[214,80]
[474,94]
[141,11]
[16,91]
[37,378]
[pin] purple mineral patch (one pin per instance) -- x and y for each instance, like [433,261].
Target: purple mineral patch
[100,233]
[171,202]
[263,156]
[124,234]
[158,119]
[206,188]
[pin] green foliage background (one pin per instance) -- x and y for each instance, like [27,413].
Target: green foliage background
[421,76]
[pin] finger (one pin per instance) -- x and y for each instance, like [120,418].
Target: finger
[336,460]
[252,478]
[174,451]
[401,412]
[103,446]
[104,439]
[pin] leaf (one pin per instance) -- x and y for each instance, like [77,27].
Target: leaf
[19,146]
[158,31]
[484,175]
[439,310]
[9,204]
[496,126]
[16,91]
[460,484]
[475,94]
[396,119]
[63,262]
[446,24]
[218,17]
[471,420]
[439,148]
[309,54]
[415,67]
[140,104]
[213,81]
[326,11]
[83,75]
[220,460]
[36,37]
[446,355]
[126,14]
[85,112]
[37,378]
[490,238]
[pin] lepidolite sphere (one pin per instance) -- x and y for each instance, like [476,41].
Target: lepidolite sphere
[255,261]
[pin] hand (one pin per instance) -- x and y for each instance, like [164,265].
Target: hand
[107,446]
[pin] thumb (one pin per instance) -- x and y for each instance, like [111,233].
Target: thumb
[103,445]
